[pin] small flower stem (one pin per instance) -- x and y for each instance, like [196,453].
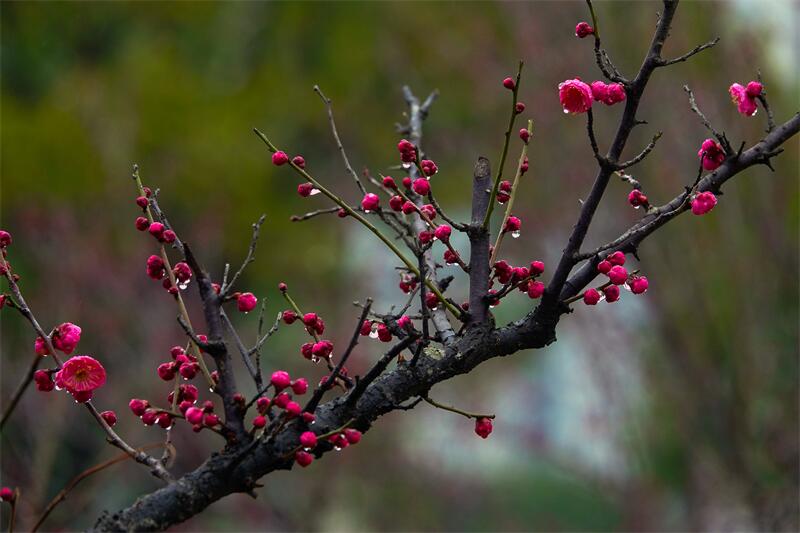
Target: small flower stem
[510,204]
[355,214]
[181,306]
[499,177]
[455,409]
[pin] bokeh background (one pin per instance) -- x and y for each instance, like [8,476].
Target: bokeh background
[672,411]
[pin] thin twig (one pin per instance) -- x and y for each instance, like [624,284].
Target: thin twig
[251,256]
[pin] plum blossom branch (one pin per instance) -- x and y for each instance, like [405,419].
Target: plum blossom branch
[456,410]
[512,118]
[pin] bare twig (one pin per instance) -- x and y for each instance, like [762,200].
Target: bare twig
[251,256]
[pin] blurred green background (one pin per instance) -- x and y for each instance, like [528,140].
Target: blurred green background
[672,411]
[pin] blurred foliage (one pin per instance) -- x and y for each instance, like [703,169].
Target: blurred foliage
[677,410]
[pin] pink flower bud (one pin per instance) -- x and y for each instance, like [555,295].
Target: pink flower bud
[66,337]
[304,189]
[353,436]
[407,182]
[6,494]
[429,168]
[156,229]
[604,266]
[519,107]
[299,161]
[279,158]
[189,371]
[618,275]
[431,300]
[300,386]
[40,347]
[583,29]
[396,203]
[308,418]
[615,94]
[142,223]
[425,237]
[211,420]
[422,186]
[591,297]
[259,422]
[246,302]
[703,203]
[293,409]
[149,417]
[612,293]
[512,224]
[638,284]
[636,198]
[409,207]
[309,319]
[138,407]
[754,89]
[289,317]
[404,322]
[389,183]
[450,257]
[166,371]
[322,349]
[509,84]
[537,268]
[443,233]
[525,135]
[483,427]
[169,236]
[370,202]
[306,349]
[575,96]
[617,258]
[5,239]
[194,415]
[303,458]
[308,440]
[383,333]
[599,91]
[280,379]
[141,201]
[428,210]
[535,289]
[43,380]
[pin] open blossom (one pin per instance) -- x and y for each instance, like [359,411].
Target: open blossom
[745,97]
[81,375]
[712,154]
[575,96]
[703,203]
[66,337]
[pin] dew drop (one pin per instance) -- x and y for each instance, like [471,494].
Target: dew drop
[515,234]
[373,334]
[338,449]
[367,211]
[406,165]
[314,191]
[565,111]
[183,284]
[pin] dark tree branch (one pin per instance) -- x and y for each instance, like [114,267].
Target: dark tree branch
[642,154]
[687,55]
[227,381]
[479,267]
